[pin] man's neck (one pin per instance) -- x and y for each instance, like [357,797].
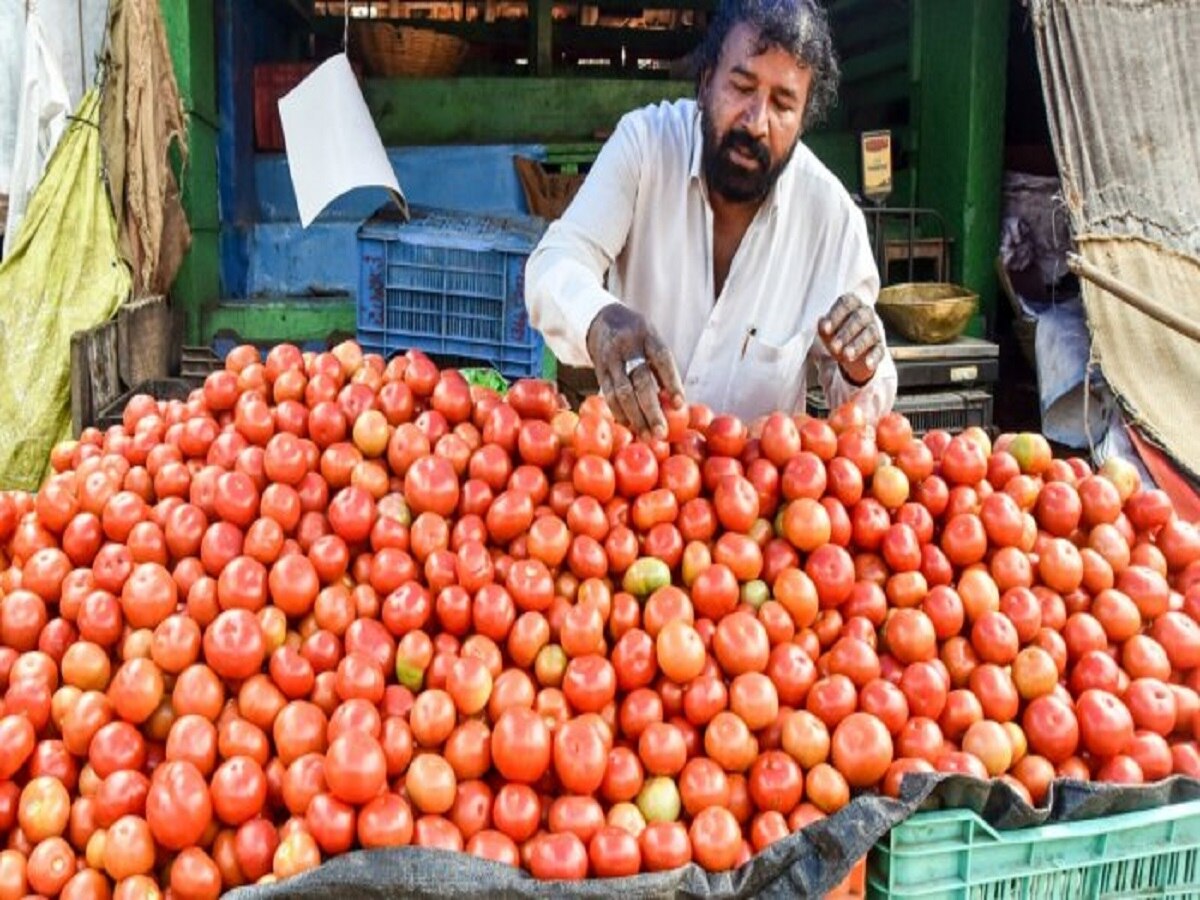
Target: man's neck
[731,214]
[731,221]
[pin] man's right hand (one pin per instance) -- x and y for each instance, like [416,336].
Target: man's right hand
[633,367]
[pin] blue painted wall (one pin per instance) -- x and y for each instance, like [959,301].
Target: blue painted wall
[478,179]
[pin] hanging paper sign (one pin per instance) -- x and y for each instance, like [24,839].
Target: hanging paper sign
[332,143]
[877,164]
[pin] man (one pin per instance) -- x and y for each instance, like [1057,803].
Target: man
[728,247]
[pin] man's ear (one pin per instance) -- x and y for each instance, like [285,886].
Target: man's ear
[703,83]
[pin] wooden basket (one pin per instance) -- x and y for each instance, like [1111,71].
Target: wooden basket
[405,51]
[928,313]
[548,194]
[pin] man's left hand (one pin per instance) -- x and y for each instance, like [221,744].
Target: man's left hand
[853,337]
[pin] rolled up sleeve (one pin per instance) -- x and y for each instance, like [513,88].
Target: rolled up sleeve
[565,275]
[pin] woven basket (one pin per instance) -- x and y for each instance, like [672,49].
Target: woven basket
[929,313]
[404,51]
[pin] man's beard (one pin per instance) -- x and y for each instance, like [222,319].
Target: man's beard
[732,181]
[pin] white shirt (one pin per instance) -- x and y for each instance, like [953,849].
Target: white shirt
[642,218]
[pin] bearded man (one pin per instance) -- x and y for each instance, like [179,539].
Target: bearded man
[709,255]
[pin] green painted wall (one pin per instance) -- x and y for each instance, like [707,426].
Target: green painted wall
[413,111]
[189,25]
[295,319]
[959,69]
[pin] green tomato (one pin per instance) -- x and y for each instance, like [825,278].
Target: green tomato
[659,800]
[756,593]
[646,576]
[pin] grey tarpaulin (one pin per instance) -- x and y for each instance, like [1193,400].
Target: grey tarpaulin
[1123,97]
[809,863]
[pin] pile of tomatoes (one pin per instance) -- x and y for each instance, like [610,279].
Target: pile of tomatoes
[329,603]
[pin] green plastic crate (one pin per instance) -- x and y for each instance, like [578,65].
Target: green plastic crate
[955,855]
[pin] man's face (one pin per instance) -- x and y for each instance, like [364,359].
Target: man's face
[752,106]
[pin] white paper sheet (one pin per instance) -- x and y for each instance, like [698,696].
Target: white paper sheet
[332,143]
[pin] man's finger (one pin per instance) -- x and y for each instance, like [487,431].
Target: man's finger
[874,357]
[859,321]
[854,326]
[646,389]
[842,309]
[862,343]
[663,365]
[606,388]
[627,399]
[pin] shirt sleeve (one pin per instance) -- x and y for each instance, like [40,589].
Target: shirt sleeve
[564,278]
[859,276]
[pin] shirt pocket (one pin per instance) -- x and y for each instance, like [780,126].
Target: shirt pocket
[767,378]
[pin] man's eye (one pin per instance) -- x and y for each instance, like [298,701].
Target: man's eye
[742,88]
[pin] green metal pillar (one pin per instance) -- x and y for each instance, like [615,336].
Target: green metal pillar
[959,62]
[189,25]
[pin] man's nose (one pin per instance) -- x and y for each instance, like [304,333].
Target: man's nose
[754,116]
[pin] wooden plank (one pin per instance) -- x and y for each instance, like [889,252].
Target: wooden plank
[81,390]
[144,340]
[95,372]
[642,43]
[594,40]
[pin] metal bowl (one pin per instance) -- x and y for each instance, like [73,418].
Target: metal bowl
[927,313]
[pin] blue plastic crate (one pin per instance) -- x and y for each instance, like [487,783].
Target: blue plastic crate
[450,284]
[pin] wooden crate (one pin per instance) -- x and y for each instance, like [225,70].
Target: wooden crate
[95,373]
[136,346]
[146,350]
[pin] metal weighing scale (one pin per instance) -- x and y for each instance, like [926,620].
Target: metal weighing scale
[962,363]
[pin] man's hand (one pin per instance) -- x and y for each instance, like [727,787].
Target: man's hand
[633,366]
[852,335]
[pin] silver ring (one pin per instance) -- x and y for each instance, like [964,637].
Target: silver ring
[634,363]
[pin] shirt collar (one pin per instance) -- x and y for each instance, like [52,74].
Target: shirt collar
[695,172]
[697,145]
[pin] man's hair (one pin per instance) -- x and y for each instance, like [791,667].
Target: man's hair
[798,27]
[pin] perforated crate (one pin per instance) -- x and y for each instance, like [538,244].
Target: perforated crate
[929,410]
[955,855]
[450,284]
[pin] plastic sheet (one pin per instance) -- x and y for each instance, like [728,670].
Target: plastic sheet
[809,863]
[64,275]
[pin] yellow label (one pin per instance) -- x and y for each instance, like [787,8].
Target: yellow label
[877,163]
